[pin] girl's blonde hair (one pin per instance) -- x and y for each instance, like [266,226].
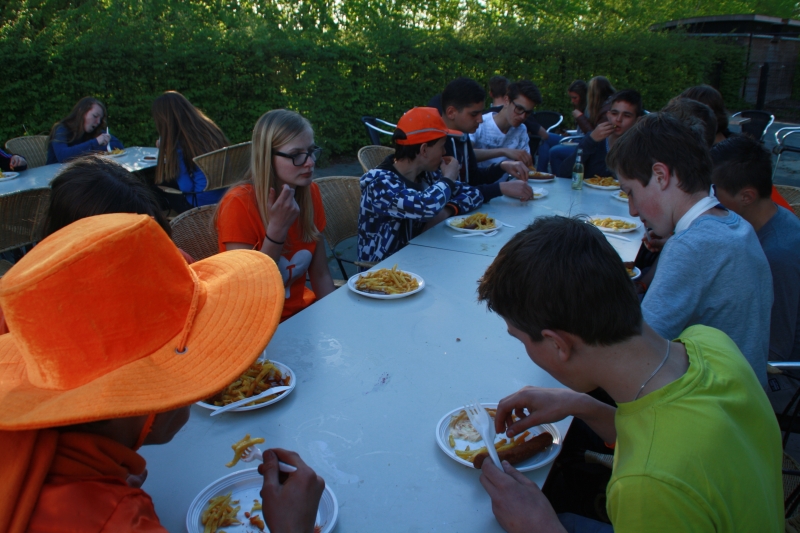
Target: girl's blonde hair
[273,130]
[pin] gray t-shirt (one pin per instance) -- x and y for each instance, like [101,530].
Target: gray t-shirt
[780,239]
[714,273]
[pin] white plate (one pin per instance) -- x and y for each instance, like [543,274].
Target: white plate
[457,219]
[602,188]
[544,180]
[7,175]
[636,273]
[616,196]
[637,223]
[351,284]
[109,154]
[284,370]
[545,457]
[245,486]
[538,192]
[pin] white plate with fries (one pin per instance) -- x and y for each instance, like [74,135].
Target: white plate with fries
[244,486]
[634,273]
[540,177]
[545,457]
[621,196]
[8,175]
[539,192]
[284,371]
[602,187]
[115,153]
[454,222]
[385,283]
[615,224]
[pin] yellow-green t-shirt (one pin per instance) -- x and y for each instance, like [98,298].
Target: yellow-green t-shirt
[702,453]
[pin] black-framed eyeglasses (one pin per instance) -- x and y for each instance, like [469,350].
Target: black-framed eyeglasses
[299,159]
[519,110]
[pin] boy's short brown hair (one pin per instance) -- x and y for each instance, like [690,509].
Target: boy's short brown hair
[662,138]
[562,274]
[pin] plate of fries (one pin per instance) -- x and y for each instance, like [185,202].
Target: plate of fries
[615,224]
[474,223]
[539,192]
[262,375]
[116,152]
[606,184]
[621,196]
[8,175]
[462,451]
[233,504]
[386,283]
[540,177]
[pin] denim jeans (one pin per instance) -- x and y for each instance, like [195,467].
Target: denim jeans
[544,152]
[579,524]
[559,154]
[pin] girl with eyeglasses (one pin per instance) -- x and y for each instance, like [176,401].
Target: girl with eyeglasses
[278,209]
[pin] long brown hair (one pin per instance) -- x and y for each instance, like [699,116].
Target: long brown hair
[180,124]
[74,121]
[274,129]
[599,91]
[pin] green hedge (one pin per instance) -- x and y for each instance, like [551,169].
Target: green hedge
[239,67]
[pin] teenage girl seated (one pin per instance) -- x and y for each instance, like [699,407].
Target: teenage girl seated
[81,132]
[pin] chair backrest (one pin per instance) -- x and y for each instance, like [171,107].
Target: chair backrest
[225,166]
[371,156]
[791,195]
[341,197]
[193,232]
[375,126]
[22,217]
[548,119]
[32,147]
[758,124]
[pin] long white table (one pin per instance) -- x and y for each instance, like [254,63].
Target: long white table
[40,177]
[374,378]
[561,200]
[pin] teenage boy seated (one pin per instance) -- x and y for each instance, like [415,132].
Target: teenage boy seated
[697,446]
[626,108]
[412,190]
[743,179]
[502,135]
[113,338]
[463,108]
[712,270]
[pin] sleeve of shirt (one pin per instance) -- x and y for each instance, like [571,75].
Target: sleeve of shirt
[116,144]
[676,290]
[488,191]
[64,152]
[233,222]
[785,308]
[642,503]
[134,513]
[467,198]
[389,197]
[480,175]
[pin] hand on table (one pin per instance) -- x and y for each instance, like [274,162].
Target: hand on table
[283,211]
[519,155]
[516,168]
[289,506]
[450,167]
[517,503]
[103,139]
[602,131]
[543,406]
[17,161]
[517,189]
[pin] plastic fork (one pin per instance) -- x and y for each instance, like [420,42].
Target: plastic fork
[108,144]
[481,421]
[491,233]
[268,392]
[253,453]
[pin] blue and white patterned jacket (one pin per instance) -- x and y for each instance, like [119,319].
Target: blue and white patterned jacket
[394,210]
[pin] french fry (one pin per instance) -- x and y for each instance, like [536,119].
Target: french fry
[612,223]
[219,513]
[477,221]
[261,375]
[240,446]
[603,182]
[387,281]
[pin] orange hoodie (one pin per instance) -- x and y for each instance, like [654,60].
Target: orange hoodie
[67,482]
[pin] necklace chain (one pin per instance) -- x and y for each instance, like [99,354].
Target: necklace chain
[666,356]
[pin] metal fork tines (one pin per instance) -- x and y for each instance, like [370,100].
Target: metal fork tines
[481,421]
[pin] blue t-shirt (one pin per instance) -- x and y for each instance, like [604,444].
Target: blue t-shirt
[714,273]
[61,150]
[780,239]
[193,183]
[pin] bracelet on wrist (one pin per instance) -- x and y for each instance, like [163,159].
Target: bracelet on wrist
[272,240]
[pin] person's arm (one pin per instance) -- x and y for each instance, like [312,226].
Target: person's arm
[482,154]
[64,153]
[542,133]
[289,506]
[115,143]
[318,272]
[466,198]
[582,122]
[387,196]
[10,162]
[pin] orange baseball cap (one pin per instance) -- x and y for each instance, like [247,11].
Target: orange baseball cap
[107,320]
[420,125]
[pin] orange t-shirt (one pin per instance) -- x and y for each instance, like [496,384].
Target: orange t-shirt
[780,200]
[238,221]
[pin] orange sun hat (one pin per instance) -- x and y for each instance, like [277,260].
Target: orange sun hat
[420,125]
[108,321]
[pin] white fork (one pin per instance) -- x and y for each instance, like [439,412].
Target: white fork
[253,453]
[475,234]
[481,421]
[108,144]
[239,403]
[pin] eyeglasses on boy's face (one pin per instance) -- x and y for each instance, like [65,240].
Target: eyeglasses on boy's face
[519,110]
[299,159]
